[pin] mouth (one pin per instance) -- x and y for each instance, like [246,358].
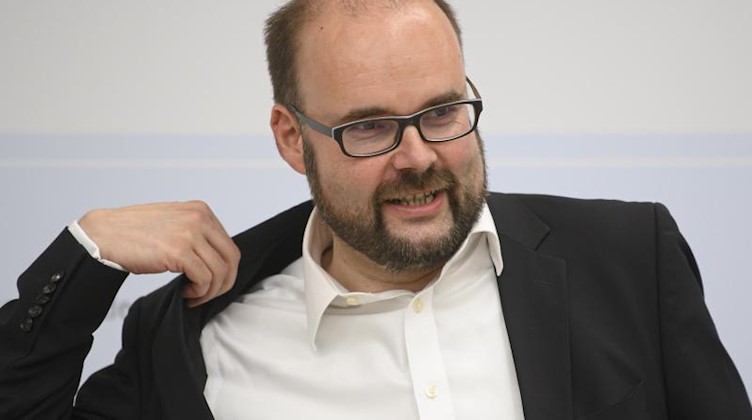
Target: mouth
[419,199]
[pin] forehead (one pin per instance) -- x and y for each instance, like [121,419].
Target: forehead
[389,57]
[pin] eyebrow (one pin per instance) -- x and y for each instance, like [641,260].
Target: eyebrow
[372,112]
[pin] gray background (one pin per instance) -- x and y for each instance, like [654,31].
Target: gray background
[112,103]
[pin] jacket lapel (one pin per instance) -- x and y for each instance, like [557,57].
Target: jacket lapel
[179,369]
[533,290]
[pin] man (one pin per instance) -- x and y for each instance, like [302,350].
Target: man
[415,294]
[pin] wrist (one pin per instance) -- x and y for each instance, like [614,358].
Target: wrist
[91,247]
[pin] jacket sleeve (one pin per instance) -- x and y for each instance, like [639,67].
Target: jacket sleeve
[700,378]
[46,333]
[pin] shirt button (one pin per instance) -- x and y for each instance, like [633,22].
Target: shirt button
[418,305]
[432,392]
[352,300]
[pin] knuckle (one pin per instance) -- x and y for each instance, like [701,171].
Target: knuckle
[235,253]
[171,251]
[233,270]
[180,257]
[199,206]
[178,249]
[227,285]
[191,213]
[194,217]
[189,236]
[235,263]
[200,276]
[220,270]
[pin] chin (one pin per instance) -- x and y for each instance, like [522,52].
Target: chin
[421,234]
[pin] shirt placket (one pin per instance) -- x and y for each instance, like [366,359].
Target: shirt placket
[427,371]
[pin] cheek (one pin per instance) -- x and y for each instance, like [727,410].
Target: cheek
[465,159]
[351,182]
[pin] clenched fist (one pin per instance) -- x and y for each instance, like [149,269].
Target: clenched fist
[175,237]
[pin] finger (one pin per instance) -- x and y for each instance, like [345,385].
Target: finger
[198,274]
[227,249]
[218,268]
[204,225]
[229,252]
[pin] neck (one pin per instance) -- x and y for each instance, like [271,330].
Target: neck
[358,273]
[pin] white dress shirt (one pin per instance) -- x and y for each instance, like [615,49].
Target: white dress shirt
[302,346]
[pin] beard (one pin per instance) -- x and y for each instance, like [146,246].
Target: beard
[364,228]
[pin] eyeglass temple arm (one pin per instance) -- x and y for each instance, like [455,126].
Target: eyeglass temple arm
[472,86]
[321,128]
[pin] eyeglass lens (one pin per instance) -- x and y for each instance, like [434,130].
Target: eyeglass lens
[438,124]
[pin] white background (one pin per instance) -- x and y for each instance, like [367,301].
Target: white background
[110,103]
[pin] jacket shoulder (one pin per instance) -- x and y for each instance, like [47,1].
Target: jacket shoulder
[588,228]
[560,210]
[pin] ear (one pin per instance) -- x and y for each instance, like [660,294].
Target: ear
[288,136]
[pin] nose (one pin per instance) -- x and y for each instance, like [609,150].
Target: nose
[413,153]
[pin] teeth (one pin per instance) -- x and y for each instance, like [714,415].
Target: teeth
[417,199]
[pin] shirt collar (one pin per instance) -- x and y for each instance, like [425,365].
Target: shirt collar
[485,225]
[322,290]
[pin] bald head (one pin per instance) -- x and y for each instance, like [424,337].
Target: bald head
[284,29]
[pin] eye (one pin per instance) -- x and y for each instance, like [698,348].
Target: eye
[371,130]
[366,126]
[441,115]
[369,127]
[438,112]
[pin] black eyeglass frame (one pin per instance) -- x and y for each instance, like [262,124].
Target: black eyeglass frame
[403,122]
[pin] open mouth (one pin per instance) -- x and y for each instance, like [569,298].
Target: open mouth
[420,199]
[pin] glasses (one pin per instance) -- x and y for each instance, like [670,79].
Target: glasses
[375,136]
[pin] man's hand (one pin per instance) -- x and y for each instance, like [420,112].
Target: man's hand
[176,237]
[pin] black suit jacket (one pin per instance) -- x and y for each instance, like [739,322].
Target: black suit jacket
[602,299]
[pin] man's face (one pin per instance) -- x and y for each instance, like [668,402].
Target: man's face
[411,208]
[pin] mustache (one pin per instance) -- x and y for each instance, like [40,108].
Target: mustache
[432,179]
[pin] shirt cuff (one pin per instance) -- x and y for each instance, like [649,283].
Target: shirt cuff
[91,247]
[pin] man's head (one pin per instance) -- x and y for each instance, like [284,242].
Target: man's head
[410,208]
